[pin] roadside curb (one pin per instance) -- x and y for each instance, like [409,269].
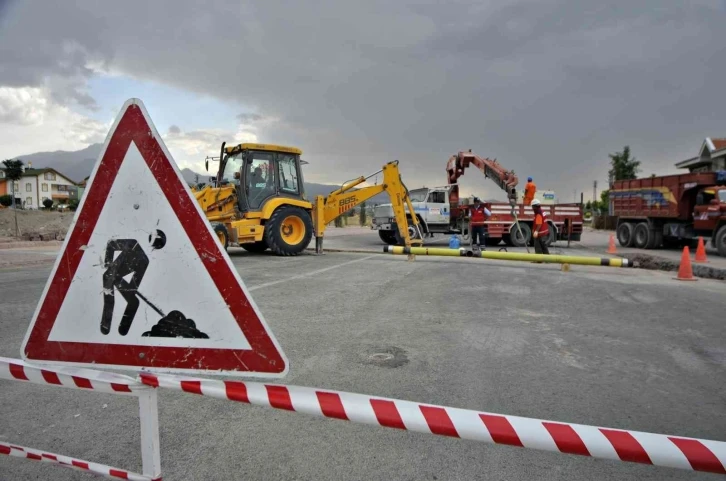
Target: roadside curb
[17,244]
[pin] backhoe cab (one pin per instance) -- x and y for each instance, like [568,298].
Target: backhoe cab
[258,199]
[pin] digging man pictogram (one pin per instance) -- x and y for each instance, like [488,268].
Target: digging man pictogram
[131,260]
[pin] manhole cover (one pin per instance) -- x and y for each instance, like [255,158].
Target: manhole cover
[390,357]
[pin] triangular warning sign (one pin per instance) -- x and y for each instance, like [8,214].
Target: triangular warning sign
[141,280]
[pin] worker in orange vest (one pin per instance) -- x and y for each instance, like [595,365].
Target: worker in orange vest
[540,229]
[529,191]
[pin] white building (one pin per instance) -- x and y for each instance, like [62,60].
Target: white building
[36,185]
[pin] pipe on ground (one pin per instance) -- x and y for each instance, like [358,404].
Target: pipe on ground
[510,256]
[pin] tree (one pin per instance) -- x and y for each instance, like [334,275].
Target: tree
[13,172]
[6,200]
[363,213]
[47,203]
[588,205]
[623,166]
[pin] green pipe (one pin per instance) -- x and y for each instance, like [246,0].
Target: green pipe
[510,256]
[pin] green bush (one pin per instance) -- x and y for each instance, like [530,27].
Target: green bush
[47,203]
[6,200]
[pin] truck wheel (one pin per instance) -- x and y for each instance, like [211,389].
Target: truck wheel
[289,230]
[552,237]
[387,236]
[508,240]
[625,234]
[640,235]
[222,235]
[721,241]
[516,238]
[412,234]
[255,247]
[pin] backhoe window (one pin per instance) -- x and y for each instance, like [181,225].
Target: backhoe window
[260,178]
[233,165]
[288,173]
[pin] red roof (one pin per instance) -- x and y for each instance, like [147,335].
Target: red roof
[719,143]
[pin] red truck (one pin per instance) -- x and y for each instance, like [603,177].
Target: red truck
[671,210]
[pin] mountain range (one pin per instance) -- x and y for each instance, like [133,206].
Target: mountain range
[79,164]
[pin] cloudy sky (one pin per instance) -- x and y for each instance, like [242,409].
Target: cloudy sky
[548,87]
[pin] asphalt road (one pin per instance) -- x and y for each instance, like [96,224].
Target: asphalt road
[621,348]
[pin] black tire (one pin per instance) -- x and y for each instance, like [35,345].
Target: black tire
[625,234]
[721,241]
[289,230]
[222,235]
[412,233]
[641,233]
[387,236]
[655,239]
[516,239]
[507,240]
[552,236]
[255,247]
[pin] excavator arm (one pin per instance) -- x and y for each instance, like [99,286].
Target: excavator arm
[342,200]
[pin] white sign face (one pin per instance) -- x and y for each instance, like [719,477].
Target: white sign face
[169,277]
[141,280]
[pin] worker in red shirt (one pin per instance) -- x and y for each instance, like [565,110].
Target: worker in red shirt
[477,223]
[540,229]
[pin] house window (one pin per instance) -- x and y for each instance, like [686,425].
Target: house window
[44,188]
[2,174]
[49,176]
[28,201]
[16,186]
[28,187]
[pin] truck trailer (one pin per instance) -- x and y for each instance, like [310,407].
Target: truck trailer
[436,215]
[671,210]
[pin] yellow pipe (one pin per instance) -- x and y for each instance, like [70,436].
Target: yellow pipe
[510,256]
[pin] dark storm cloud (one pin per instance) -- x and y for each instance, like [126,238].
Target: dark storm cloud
[547,87]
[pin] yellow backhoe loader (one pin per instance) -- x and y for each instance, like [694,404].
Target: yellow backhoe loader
[257,200]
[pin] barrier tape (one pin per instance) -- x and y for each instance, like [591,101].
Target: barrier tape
[79,378]
[78,464]
[605,443]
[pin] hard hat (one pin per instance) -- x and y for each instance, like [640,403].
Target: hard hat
[529,179]
[535,202]
[476,199]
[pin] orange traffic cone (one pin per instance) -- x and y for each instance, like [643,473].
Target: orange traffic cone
[685,273]
[701,252]
[611,246]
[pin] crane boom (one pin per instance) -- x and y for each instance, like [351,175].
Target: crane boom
[505,179]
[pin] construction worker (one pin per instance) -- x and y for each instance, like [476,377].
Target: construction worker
[477,222]
[540,229]
[529,191]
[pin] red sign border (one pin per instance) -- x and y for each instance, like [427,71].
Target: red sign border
[263,357]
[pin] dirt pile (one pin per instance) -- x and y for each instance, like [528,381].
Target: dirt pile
[35,224]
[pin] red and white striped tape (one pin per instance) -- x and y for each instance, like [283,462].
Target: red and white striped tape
[78,378]
[102,469]
[615,444]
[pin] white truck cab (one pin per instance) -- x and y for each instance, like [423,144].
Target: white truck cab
[430,205]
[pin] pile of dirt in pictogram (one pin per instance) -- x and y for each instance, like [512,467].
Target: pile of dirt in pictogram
[175,324]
